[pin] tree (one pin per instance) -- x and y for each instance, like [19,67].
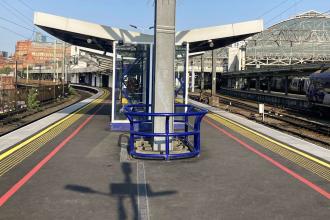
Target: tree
[6,70]
[32,102]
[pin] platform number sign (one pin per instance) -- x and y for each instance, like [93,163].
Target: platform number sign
[262,111]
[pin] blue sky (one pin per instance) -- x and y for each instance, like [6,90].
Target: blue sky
[121,13]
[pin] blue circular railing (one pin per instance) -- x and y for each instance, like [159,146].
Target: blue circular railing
[185,131]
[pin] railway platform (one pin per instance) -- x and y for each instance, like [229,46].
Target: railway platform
[84,172]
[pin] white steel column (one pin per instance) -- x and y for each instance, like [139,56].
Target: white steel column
[187,74]
[114,53]
[192,76]
[27,73]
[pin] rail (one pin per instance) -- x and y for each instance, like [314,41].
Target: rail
[287,116]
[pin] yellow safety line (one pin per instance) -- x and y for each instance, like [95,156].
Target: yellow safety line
[19,155]
[216,117]
[29,140]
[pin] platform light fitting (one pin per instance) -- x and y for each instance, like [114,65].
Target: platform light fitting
[211,44]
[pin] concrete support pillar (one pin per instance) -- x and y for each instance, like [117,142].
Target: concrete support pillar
[243,58]
[286,85]
[202,78]
[63,62]
[214,101]
[248,84]
[164,55]
[214,73]
[269,82]
[192,77]
[258,84]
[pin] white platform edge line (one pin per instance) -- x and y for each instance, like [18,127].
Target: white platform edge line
[303,145]
[23,133]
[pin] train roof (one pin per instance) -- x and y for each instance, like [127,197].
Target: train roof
[320,76]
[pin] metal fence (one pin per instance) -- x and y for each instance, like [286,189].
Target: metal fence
[15,100]
[185,134]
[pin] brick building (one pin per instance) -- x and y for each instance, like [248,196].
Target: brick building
[39,53]
[6,82]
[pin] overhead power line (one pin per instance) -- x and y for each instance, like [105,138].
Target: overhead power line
[306,19]
[19,25]
[26,5]
[292,6]
[13,32]
[22,18]
[14,13]
[271,31]
[273,8]
[17,11]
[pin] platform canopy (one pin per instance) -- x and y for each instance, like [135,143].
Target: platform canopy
[209,38]
[86,34]
[101,37]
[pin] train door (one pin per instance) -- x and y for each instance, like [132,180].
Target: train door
[105,81]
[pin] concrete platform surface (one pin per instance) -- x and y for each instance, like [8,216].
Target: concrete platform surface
[92,178]
[23,133]
[298,143]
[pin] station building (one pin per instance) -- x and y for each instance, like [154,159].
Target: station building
[301,39]
[132,54]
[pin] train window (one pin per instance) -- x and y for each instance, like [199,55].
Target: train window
[327,87]
[318,85]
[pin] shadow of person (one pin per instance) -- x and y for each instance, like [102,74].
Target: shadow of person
[127,189]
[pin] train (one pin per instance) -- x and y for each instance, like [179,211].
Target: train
[315,87]
[319,88]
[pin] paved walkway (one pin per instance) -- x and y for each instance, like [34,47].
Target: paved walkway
[23,133]
[84,174]
[298,143]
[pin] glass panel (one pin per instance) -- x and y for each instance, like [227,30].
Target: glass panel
[132,77]
[180,70]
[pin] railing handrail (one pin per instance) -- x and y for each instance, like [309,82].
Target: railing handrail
[128,112]
[168,134]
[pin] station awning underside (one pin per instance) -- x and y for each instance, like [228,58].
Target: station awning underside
[101,37]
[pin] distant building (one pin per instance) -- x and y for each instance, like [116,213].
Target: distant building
[4,59]
[302,39]
[40,53]
[38,37]
[4,54]
[6,82]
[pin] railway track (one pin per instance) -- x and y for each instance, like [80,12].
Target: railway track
[22,117]
[283,119]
